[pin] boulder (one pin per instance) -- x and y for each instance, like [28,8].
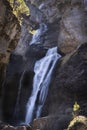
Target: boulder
[21,128]
[51,123]
[5,126]
[8,128]
[72,26]
[78,123]
[25,127]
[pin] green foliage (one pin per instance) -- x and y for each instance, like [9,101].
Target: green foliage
[19,7]
[76,107]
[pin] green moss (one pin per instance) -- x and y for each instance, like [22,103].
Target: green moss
[19,7]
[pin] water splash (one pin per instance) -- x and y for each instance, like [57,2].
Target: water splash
[41,6]
[43,71]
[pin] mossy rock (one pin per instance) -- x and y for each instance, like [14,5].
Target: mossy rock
[78,123]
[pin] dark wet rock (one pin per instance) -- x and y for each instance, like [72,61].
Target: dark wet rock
[2,75]
[36,52]
[25,127]
[25,38]
[51,123]
[2,125]
[50,38]
[5,126]
[9,128]
[39,18]
[48,8]
[21,128]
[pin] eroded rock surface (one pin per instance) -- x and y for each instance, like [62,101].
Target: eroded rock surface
[51,123]
[9,31]
[73,26]
[9,35]
[5,126]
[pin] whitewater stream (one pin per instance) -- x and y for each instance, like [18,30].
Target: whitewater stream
[43,72]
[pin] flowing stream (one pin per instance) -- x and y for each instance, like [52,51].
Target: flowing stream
[43,71]
[39,32]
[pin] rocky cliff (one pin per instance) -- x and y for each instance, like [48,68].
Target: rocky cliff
[67,29]
[9,35]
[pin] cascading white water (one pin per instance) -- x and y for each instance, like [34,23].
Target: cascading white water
[43,70]
[39,32]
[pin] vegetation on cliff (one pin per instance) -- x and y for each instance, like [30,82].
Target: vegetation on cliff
[19,8]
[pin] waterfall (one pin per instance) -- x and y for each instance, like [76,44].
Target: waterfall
[41,6]
[36,37]
[43,71]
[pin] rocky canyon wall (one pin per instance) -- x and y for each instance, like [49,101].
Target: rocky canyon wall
[9,35]
[66,22]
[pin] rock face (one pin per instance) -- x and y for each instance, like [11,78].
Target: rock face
[9,30]
[73,26]
[9,35]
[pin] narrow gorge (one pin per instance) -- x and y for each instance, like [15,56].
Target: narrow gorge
[43,65]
